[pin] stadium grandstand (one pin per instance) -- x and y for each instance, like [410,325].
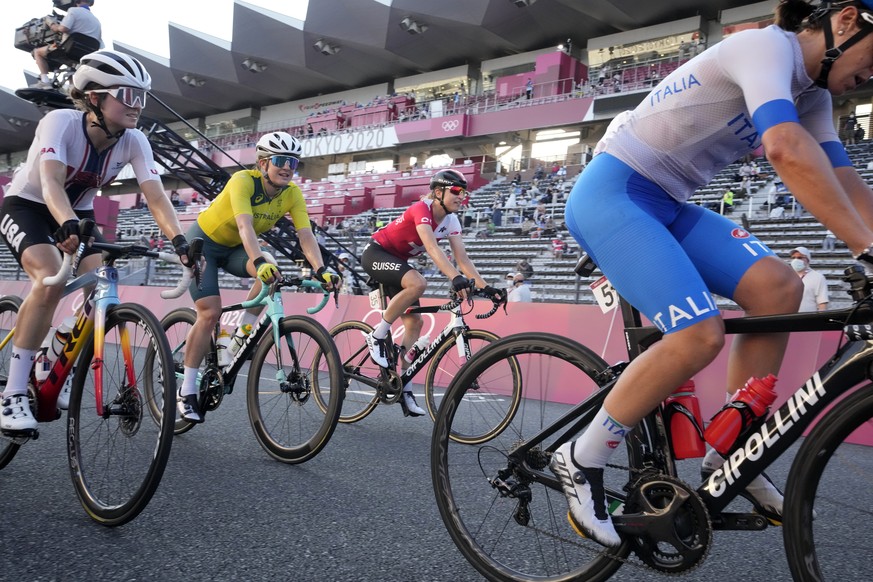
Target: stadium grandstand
[513,93]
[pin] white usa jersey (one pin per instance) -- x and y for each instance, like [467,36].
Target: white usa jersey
[61,136]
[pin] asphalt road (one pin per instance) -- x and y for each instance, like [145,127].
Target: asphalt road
[362,510]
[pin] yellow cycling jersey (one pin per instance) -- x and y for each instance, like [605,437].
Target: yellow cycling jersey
[244,194]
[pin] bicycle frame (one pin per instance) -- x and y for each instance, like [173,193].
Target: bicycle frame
[272,298]
[455,328]
[766,440]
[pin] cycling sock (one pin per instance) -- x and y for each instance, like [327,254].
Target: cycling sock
[599,441]
[381,330]
[19,371]
[189,383]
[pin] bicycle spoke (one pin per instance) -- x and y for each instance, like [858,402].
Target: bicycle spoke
[117,458]
[8,315]
[503,509]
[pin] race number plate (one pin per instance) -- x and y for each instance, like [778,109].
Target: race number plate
[605,294]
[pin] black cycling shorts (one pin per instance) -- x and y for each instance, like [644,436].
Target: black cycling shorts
[385,268]
[24,223]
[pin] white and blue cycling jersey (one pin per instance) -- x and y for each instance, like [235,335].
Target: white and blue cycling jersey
[629,208]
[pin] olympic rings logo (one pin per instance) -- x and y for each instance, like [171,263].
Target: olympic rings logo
[450,125]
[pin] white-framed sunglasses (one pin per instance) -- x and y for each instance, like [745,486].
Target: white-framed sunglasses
[128,96]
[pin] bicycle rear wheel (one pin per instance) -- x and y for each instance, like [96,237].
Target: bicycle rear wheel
[176,325]
[831,475]
[360,397]
[9,306]
[288,424]
[497,394]
[505,511]
[117,449]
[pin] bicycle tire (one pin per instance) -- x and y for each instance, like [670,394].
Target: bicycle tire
[359,398]
[117,460]
[9,306]
[446,364]
[501,536]
[176,325]
[823,474]
[289,424]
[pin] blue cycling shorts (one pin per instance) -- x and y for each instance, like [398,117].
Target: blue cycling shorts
[661,255]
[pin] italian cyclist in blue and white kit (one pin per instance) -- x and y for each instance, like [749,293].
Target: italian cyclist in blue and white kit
[74,154]
[629,210]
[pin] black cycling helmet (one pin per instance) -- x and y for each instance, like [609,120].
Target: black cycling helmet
[448,178]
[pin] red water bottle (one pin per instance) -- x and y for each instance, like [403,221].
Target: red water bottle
[748,404]
[682,418]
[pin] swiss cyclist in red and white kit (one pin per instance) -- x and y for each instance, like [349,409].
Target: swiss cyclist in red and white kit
[418,230]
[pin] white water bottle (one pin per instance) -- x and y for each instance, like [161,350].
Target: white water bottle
[416,349]
[51,347]
[221,345]
[42,364]
[239,338]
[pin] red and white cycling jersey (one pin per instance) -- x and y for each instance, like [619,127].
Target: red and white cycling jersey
[400,237]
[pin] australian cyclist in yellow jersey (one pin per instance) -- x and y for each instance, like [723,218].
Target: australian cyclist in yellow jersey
[251,203]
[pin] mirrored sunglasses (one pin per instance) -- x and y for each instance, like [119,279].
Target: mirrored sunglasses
[457,191]
[128,96]
[282,161]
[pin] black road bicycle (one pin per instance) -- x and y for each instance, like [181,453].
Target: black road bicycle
[505,510]
[289,355]
[367,384]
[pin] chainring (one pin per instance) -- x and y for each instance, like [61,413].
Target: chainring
[212,384]
[676,531]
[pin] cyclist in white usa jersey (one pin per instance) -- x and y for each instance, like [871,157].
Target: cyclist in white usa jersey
[629,211]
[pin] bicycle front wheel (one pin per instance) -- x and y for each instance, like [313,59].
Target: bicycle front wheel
[176,325]
[832,467]
[287,422]
[9,306]
[117,449]
[361,374]
[505,511]
[498,394]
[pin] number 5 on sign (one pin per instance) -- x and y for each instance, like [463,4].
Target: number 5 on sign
[605,294]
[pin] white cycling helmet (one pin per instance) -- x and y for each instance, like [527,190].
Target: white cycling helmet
[278,143]
[108,68]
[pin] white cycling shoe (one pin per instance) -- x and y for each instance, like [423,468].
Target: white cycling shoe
[761,492]
[15,415]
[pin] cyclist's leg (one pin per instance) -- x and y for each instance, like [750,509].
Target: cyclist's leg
[238,263]
[412,323]
[646,264]
[737,265]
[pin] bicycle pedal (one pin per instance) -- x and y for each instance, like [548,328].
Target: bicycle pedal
[23,435]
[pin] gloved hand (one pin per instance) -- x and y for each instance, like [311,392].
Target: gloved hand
[266,270]
[67,229]
[183,249]
[331,280]
[460,283]
[494,294]
[866,259]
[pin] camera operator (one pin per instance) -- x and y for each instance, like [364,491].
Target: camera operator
[78,19]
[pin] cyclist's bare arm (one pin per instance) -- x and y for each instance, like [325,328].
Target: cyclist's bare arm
[807,173]
[161,208]
[439,258]
[247,235]
[860,194]
[459,251]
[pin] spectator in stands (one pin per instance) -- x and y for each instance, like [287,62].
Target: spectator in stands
[727,201]
[78,20]
[520,291]
[849,129]
[525,268]
[829,242]
[309,131]
[75,152]
[528,89]
[497,214]
[386,259]
[250,204]
[350,285]
[815,285]
[559,246]
[629,209]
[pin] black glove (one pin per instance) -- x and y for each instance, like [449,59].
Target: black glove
[460,283]
[183,249]
[68,228]
[495,294]
[865,258]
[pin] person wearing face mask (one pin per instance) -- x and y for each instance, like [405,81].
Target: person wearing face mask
[815,286]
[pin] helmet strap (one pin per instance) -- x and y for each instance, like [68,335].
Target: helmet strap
[832,53]
[101,122]
[440,200]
